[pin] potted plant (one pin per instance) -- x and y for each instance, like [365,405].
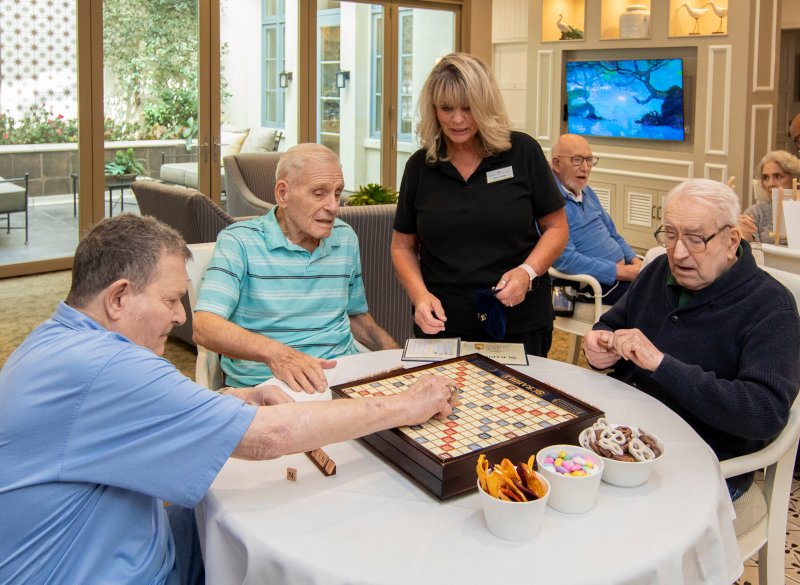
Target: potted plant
[124,166]
[372,194]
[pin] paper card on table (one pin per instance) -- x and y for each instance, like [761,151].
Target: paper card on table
[512,354]
[431,349]
[791,216]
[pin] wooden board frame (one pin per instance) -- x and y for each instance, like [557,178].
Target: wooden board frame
[446,478]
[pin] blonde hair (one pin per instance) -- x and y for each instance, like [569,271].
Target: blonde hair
[461,80]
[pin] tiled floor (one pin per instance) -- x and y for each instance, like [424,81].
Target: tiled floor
[53,229]
[750,576]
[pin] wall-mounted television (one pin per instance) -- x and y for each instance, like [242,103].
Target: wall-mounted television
[631,98]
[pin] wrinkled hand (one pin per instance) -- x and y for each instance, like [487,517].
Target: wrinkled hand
[748,227]
[260,395]
[631,344]
[429,314]
[512,287]
[598,345]
[628,272]
[429,397]
[298,370]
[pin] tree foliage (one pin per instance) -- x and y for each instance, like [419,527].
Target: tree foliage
[150,56]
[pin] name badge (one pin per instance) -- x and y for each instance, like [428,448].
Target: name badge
[499,174]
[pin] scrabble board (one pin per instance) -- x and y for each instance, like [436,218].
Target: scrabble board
[502,413]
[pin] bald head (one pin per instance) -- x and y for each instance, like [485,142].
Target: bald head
[298,158]
[794,132]
[568,147]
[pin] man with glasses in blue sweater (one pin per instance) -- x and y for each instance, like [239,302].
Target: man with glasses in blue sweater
[595,247]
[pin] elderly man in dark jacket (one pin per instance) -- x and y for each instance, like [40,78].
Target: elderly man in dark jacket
[706,331]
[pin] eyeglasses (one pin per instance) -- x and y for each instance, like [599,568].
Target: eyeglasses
[579,160]
[695,243]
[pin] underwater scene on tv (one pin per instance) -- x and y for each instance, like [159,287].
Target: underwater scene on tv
[636,98]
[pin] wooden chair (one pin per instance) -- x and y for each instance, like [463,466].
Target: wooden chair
[13,199]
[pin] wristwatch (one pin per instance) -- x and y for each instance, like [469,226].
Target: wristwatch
[531,273]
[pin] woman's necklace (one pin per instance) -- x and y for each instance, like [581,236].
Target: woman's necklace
[472,167]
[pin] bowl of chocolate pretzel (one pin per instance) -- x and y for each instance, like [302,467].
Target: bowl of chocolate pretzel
[629,452]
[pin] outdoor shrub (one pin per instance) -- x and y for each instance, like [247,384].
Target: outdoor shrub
[38,125]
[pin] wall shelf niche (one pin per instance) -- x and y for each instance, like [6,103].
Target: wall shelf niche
[625,19]
[563,20]
[698,18]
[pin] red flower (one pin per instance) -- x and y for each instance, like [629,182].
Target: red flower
[58,131]
[5,136]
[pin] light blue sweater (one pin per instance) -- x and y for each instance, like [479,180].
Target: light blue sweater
[594,245]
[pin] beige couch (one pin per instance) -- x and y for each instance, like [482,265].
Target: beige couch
[181,169]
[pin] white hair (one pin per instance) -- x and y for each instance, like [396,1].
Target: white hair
[717,195]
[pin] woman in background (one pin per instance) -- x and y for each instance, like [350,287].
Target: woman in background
[776,170]
[478,211]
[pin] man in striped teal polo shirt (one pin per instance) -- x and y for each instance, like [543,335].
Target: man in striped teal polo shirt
[283,292]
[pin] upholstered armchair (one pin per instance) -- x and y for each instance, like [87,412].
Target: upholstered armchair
[195,216]
[388,303]
[250,182]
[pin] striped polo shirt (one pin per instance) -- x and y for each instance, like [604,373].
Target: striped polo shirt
[262,282]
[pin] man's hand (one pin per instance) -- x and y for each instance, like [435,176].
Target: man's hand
[598,345]
[628,272]
[260,395]
[429,397]
[748,227]
[298,370]
[631,344]
[429,314]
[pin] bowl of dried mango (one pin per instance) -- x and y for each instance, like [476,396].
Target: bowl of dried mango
[513,498]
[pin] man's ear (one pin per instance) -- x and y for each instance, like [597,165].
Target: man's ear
[115,298]
[736,238]
[281,192]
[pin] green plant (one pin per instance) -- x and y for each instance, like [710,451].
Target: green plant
[124,163]
[38,125]
[372,194]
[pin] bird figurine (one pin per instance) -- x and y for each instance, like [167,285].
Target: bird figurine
[695,13]
[567,30]
[721,12]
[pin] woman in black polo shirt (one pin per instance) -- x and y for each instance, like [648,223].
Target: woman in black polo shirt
[478,210]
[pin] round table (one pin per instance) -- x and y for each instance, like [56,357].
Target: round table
[370,524]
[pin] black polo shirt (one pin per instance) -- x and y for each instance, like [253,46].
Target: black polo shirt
[471,232]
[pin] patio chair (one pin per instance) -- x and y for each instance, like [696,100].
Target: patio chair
[195,216]
[250,182]
[14,199]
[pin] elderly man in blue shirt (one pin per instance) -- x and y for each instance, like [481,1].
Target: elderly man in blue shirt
[595,247]
[97,430]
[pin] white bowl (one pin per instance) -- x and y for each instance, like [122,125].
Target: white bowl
[625,473]
[513,520]
[571,494]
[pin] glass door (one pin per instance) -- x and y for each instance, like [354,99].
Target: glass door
[330,75]
[38,135]
[424,36]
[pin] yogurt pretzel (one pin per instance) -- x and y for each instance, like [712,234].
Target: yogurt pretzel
[615,435]
[610,445]
[640,451]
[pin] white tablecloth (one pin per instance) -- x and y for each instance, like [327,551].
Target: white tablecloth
[370,524]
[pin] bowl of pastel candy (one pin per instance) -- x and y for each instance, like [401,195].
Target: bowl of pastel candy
[628,452]
[574,475]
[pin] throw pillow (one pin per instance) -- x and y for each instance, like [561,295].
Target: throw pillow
[259,140]
[232,143]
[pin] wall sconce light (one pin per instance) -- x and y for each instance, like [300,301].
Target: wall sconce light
[342,77]
[284,77]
